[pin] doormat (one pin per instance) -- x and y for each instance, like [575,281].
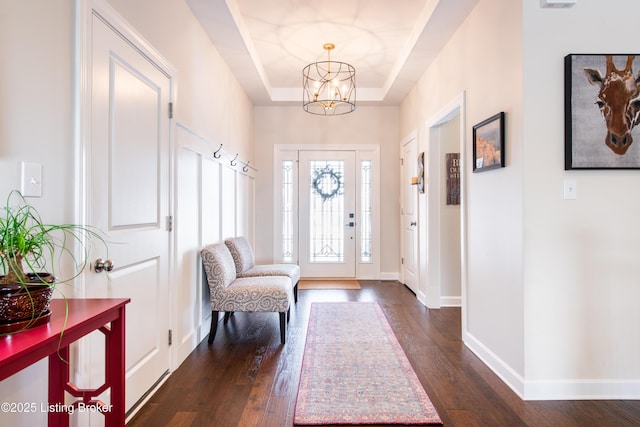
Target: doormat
[355,372]
[329,284]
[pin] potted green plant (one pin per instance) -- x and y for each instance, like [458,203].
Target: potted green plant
[29,252]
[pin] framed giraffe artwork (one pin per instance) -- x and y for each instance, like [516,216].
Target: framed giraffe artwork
[488,144]
[602,109]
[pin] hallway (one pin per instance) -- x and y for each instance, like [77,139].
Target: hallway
[247,379]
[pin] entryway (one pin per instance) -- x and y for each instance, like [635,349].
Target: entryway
[434,253]
[327,210]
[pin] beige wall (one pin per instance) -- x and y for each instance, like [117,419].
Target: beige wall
[582,293]
[483,60]
[366,125]
[36,84]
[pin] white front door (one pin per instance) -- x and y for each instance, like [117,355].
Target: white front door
[129,166]
[327,242]
[409,215]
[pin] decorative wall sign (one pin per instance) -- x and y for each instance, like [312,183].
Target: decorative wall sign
[602,107]
[421,172]
[453,178]
[488,144]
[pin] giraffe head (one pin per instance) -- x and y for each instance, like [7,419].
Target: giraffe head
[619,102]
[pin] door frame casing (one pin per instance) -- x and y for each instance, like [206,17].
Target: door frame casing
[85,10]
[282,152]
[430,284]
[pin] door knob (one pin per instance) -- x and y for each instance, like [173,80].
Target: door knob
[101,265]
[413,223]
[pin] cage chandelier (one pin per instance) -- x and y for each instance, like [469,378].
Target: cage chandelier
[329,87]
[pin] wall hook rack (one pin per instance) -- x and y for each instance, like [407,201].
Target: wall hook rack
[233,162]
[245,169]
[216,153]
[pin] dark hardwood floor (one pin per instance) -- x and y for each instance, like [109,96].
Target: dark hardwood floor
[246,378]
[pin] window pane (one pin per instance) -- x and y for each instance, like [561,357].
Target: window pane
[287,211]
[365,211]
[326,208]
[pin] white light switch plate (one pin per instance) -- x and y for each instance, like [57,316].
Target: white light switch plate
[570,190]
[31,179]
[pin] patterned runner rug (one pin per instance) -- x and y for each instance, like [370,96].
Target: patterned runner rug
[355,372]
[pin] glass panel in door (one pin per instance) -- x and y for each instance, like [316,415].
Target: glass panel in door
[327,213]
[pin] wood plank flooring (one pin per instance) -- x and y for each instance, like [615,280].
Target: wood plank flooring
[246,378]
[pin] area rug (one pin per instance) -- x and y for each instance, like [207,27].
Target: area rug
[329,284]
[355,372]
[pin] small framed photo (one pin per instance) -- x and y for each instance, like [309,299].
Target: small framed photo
[488,144]
[602,109]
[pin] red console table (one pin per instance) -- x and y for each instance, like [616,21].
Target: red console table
[22,349]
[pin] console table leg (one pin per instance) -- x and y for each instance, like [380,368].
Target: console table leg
[58,378]
[115,371]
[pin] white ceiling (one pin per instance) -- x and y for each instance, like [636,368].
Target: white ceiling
[267,43]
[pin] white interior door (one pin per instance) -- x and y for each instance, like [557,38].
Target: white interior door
[327,215]
[409,219]
[129,198]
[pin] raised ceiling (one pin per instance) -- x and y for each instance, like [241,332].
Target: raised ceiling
[267,43]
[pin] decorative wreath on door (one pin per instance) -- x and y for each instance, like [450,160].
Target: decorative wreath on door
[327,183]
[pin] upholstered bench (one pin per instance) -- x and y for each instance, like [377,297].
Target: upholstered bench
[230,293]
[245,264]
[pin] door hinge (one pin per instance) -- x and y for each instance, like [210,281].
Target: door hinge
[170,337]
[171,110]
[170,223]
[402,261]
[401,161]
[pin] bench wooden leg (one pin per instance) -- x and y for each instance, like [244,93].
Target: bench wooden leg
[214,326]
[283,327]
[295,293]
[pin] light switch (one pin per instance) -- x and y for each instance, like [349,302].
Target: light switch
[31,179]
[570,191]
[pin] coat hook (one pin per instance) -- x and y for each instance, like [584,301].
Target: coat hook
[233,162]
[245,169]
[217,154]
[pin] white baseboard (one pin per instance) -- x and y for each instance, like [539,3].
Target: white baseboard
[389,276]
[573,389]
[451,301]
[422,298]
[510,377]
[582,390]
